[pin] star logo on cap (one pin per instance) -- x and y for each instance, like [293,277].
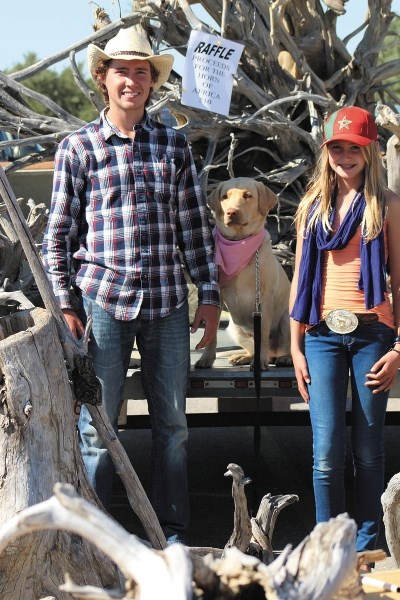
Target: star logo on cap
[344,123]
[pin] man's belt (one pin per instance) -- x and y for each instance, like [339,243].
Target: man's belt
[345,321]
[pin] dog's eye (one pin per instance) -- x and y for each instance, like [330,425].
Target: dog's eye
[247,195]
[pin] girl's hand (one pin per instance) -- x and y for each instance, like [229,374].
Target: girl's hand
[383,374]
[302,374]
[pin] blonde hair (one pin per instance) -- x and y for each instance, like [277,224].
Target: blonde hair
[321,189]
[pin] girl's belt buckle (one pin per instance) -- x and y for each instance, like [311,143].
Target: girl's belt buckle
[341,321]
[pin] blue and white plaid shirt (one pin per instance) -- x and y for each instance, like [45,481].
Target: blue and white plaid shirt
[125,208]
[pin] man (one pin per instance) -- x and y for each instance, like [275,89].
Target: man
[126,199]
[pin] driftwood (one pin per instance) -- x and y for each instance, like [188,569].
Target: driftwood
[14,274]
[391,517]
[38,447]
[391,121]
[323,567]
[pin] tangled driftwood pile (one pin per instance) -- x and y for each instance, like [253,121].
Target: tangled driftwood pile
[294,68]
[324,566]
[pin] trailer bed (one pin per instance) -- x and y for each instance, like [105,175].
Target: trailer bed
[225,395]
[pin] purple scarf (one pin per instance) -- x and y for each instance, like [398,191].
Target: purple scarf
[372,281]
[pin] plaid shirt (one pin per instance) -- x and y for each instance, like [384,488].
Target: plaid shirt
[123,209]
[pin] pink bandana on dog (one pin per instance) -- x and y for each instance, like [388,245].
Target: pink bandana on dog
[232,256]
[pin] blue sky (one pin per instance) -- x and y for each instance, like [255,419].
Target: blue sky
[49,26]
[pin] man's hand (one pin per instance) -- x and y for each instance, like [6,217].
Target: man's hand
[73,322]
[209,315]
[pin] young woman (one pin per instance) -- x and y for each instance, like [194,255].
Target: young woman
[343,324]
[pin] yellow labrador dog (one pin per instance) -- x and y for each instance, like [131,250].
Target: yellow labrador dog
[241,206]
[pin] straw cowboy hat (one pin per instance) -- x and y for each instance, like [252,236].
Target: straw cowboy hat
[129,44]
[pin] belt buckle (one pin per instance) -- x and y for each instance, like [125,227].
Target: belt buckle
[341,321]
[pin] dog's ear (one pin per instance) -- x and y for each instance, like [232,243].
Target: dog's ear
[213,198]
[266,198]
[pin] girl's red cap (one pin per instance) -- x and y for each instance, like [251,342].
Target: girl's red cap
[350,124]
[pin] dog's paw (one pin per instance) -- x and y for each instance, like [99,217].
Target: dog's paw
[284,361]
[205,361]
[240,359]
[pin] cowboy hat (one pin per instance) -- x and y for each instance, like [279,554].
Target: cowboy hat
[129,44]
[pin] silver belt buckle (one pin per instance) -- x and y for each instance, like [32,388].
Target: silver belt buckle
[341,321]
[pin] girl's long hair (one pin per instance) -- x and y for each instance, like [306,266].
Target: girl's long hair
[321,191]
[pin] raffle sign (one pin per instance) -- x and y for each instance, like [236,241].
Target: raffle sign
[207,81]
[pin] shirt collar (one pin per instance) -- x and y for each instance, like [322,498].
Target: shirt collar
[110,129]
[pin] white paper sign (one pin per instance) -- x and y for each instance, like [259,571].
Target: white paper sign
[210,64]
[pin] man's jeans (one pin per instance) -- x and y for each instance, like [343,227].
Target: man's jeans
[165,361]
[330,357]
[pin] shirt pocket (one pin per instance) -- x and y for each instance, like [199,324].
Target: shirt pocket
[164,176]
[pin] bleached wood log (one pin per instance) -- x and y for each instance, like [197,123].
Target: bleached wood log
[38,447]
[154,574]
[388,119]
[320,565]
[393,163]
[391,517]
[317,569]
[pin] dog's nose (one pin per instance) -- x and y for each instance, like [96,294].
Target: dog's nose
[232,212]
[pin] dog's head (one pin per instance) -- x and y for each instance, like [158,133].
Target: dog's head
[240,206]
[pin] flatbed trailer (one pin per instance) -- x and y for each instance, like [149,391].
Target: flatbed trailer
[225,395]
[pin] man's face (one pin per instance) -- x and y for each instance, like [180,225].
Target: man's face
[128,83]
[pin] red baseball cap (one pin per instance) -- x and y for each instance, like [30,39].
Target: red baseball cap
[350,124]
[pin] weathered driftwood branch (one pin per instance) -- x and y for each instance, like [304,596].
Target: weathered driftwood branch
[391,121]
[151,571]
[135,492]
[391,517]
[251,536]
[13,276]
[241,535]
[323,567]
[263,525]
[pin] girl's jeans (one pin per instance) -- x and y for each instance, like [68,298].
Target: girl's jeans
[331,357]
[165,361]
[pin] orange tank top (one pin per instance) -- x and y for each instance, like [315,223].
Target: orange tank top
[340,275]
